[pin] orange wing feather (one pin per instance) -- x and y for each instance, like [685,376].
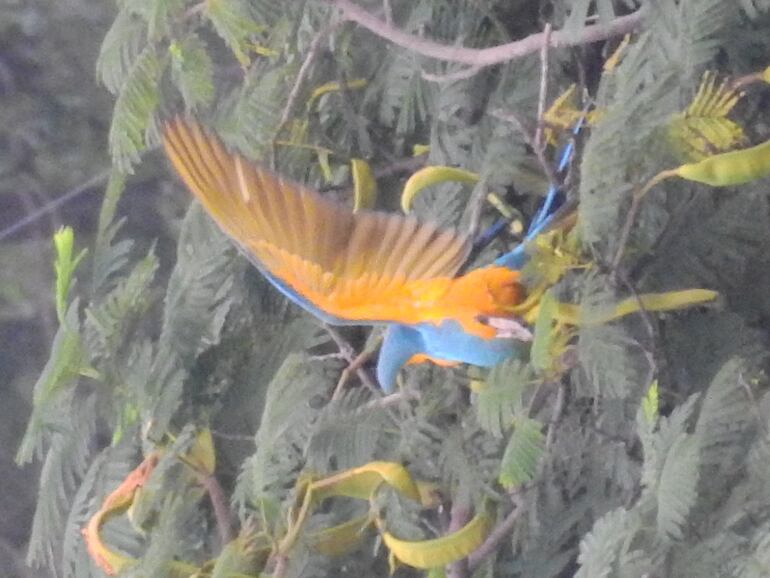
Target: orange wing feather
[364,266]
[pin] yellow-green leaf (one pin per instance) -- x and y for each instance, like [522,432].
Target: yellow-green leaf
[441,551]
[703,127]
[364,185]
[729,169]
[766,75]
[323,162]
[650,403]
[433,175]
[201,456]
[363,481]
[670,300]
[355,84]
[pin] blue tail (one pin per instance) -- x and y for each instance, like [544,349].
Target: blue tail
[515,259]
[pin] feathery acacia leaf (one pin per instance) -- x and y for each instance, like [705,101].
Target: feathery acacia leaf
[136,103]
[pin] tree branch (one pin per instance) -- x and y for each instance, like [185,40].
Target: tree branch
[461,513]
[354,363]
[495,537]
[221,507]
[480,57]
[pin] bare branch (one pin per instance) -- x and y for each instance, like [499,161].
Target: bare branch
[485,56]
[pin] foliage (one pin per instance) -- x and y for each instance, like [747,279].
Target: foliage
[615,449]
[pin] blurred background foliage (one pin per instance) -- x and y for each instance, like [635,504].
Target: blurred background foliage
[175,331]
[54,119]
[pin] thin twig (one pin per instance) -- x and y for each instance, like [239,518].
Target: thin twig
[398,167]
[349,354]
[234,437]
[353,365]
[495,536]
[485,56]
[93,182]
[558,410]
[543,94]
[386,8]
[646,319]
[636,200]
[625,233]
[475,206]
[462,74]
[514,119]
[753,403]
[304,70]
[392,399]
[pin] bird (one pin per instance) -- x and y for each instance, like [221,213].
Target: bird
[355,268]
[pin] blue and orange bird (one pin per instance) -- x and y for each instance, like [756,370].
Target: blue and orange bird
[363,268]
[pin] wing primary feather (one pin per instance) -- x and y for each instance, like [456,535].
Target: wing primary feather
[415,250]
[274,232]
[179,158]
[389,227]
[313,225]
[296,233]
[194,164]
[254,207]
[435,249]
[206,157]
[408,225]
[359,246]
[451,253]
[185,159]
[337,229]
[243,187]
[280,192]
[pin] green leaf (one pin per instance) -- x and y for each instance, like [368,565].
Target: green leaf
[676,491]
[540,352]
[522,454]
[500,398]
[120,50]
[134,107]
[232,21]
[59,375]
[64,266]
[192,71]
[599,548]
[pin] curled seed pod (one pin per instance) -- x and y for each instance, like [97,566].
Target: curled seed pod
[729,169]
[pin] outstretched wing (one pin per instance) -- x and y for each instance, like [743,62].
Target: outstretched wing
[363,266]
